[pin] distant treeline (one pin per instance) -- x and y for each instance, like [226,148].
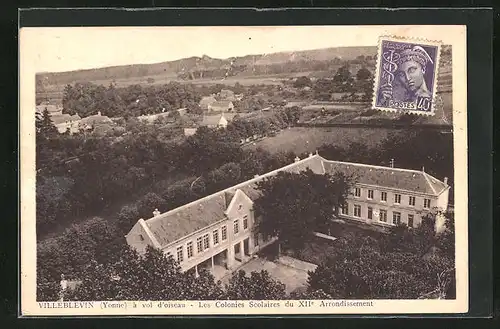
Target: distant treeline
[88,98]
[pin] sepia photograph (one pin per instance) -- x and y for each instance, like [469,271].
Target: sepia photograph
[243,170]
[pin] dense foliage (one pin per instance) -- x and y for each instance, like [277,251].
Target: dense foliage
[407,264]
[257,286]
[81,174]
[88,98]
[152,276]
[292,205]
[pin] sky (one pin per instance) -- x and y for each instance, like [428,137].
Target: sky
[73,48]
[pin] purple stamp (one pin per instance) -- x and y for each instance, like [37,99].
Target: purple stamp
[406,75]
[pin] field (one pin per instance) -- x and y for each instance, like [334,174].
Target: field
[301,140]
[55,92]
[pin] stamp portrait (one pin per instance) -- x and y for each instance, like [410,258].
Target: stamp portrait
[406,78]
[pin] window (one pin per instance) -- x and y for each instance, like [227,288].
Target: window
[141,237]
[396,218]
[216,237]
[357,192]
[411,201]
[224,233]
[256,239]
[245,222]
[199,244]
[370,213]
[357,210]
[397,198]
[383,216]
[190,249]
[427,203]
[383,196]
[370,194]
[236,227]
[180,253]
[410,220]
[344,209]
[206,242]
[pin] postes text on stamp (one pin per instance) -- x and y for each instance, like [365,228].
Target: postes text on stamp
[406,75]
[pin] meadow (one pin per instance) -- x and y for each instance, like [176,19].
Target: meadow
[301,139]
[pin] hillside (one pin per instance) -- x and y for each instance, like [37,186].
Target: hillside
[244,64]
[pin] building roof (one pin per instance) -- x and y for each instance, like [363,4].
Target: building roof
[214,120]
[207,100]
[50,108]
[182,221]
[222,103]
[95,119]
[397,178]
[62,118]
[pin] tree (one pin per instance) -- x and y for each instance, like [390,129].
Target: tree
[152,276]
[44,126]
[294,205]
[52,199]
[127,217]
[257,286]
[223,177]
[405,265]
[93,239]
[343,79]
[302,82]
[310,294]
[203,287]
[363,74]
[149,202]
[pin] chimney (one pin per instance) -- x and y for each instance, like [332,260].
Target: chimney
[98,113]
[446,181]
[297,159]
[310,155]
[317,152]
[156,212]
[255,176]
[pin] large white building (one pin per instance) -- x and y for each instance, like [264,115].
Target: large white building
[217,231]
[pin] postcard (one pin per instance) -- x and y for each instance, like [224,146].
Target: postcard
[243,170]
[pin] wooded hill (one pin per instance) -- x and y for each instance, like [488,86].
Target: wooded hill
[195,67]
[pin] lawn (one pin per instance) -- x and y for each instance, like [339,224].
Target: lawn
[316,249]
[301,139]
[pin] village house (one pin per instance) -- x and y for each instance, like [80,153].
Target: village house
[217,121]
[90,122]
[66,122]
[164,114]
[221,106]
[51,108]
[218,231]
[227,95]
[206,101]
[150,118]
[190,131]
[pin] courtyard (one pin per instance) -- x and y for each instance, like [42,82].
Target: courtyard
[293,277]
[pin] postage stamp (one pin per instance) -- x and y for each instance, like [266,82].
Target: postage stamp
[406,75]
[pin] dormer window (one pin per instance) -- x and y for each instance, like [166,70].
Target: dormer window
[141,237]
[240,206]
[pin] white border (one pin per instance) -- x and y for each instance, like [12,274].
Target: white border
[453,35]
